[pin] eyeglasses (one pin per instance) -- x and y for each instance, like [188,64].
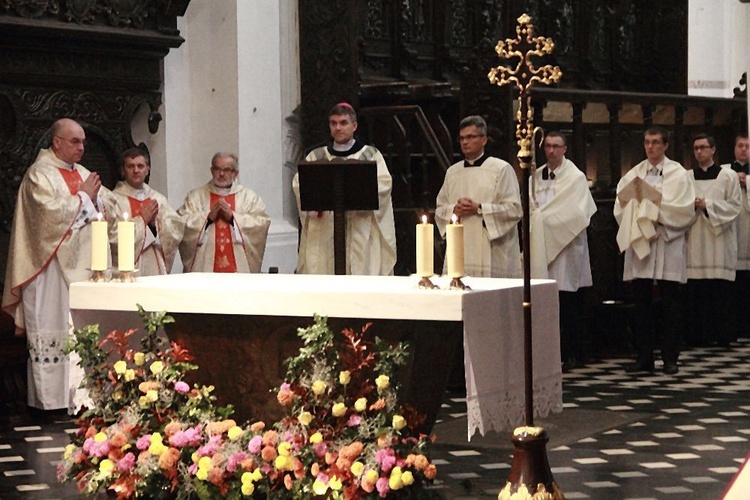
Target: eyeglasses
[701,147]
[469,137]
[222,170]
[73,142]
[554,146]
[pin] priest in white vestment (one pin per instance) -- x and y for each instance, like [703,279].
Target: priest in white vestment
[158,227]
[226,224]
[370,235]
[654,208]
[712,247]
[741,288]
[561,209]
[483,192]
[50,248]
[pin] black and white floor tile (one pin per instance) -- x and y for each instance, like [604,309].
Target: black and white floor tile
[621,436]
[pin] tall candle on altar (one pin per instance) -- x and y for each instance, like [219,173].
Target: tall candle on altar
[425,243]
[99,244]
[126,244]
[455,248]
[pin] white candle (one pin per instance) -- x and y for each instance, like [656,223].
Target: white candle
[126,244]
[425,243]
[99,244]
[455,248]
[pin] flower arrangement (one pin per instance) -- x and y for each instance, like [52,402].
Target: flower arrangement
[150,434]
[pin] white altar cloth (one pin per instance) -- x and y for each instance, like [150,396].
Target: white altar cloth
[492,315]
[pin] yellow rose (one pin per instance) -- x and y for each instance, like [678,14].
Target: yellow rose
[357,468]
[360,404]
[152,396]
[335,483]
[319,487]
[316,438]
[248,489]
[305,418]
[157,367]
[139,358]
[257,476]
[246,478]
[383,382]
[394,481]
[345,377]
[339,410]
[194,456]
[399,422]
[106,466]
[204,463]
[100,437]
[235,432]
[69,450]
[202,474]
[319,387]
[282,463]
[284,449]
[129,375]
[371,476]
[143,401]
[407,478]
[120,367]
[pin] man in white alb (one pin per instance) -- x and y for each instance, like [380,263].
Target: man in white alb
[561,209]
[483,192]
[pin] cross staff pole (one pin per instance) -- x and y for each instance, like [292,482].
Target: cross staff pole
[530,475]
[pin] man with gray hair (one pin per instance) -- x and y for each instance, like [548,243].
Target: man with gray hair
[226,224]
[483,193]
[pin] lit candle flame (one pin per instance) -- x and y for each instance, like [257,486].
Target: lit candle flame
[454,219]
[125,216]
[424,219]
[99,216]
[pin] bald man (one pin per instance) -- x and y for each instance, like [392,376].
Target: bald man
[50,247]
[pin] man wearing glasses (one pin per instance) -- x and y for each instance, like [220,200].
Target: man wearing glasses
[712,247]
[561,208]
[226,224]
[482,192]
[654,208]
[50,247]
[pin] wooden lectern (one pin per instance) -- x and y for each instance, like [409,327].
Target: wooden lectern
[340,186]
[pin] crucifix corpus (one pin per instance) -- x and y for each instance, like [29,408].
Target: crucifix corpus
[530,475]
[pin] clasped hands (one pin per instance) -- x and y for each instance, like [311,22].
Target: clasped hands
[465,207]
[220,210]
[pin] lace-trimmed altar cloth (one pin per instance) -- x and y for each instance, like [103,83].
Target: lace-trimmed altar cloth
[494,357]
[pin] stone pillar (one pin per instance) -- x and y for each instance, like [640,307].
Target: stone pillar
[234,86]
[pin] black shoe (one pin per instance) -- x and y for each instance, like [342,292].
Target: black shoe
[642,365]
[670,368]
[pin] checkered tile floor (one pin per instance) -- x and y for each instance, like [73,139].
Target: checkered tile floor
[671,437]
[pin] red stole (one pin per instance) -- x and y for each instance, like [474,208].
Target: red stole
[223,249]
[72,178]
[135,206]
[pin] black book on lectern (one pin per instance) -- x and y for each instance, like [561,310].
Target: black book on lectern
[338,184]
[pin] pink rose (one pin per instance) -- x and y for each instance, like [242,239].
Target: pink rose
[255,444]
[126,463]
[382,486]
[181,387]
[354,420]
[143,442]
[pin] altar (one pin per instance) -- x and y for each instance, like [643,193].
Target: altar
[240,328]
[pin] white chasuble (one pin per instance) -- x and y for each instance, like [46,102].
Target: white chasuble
[742,224]
[247,233]
[155,247]
[491,247]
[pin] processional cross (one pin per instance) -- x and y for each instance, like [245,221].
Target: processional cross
[530,476]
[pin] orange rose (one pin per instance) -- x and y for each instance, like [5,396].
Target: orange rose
[430,472]
[285,397]
[172,428]
[271,438]
[378,405]
[144,387]
[330,457]
[288,483]
[118,440]
[248,464]
[410,458]
[169,458]
[258,426]
[315,469]
[421,462]
[91,432]
[268,453]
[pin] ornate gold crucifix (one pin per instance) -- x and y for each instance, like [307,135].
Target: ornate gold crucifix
[530,475]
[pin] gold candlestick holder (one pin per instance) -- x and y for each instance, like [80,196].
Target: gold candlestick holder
[457,284]
[126,276]
[98,276]
[426,282]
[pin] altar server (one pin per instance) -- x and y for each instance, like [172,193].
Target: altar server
[561,209]
[741,288]
[370,235]
[158,227]
[226,224]
[712,247]
[652,235]
[50,248]
[483,192]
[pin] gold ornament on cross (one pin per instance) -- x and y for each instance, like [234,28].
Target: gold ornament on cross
[524,75]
